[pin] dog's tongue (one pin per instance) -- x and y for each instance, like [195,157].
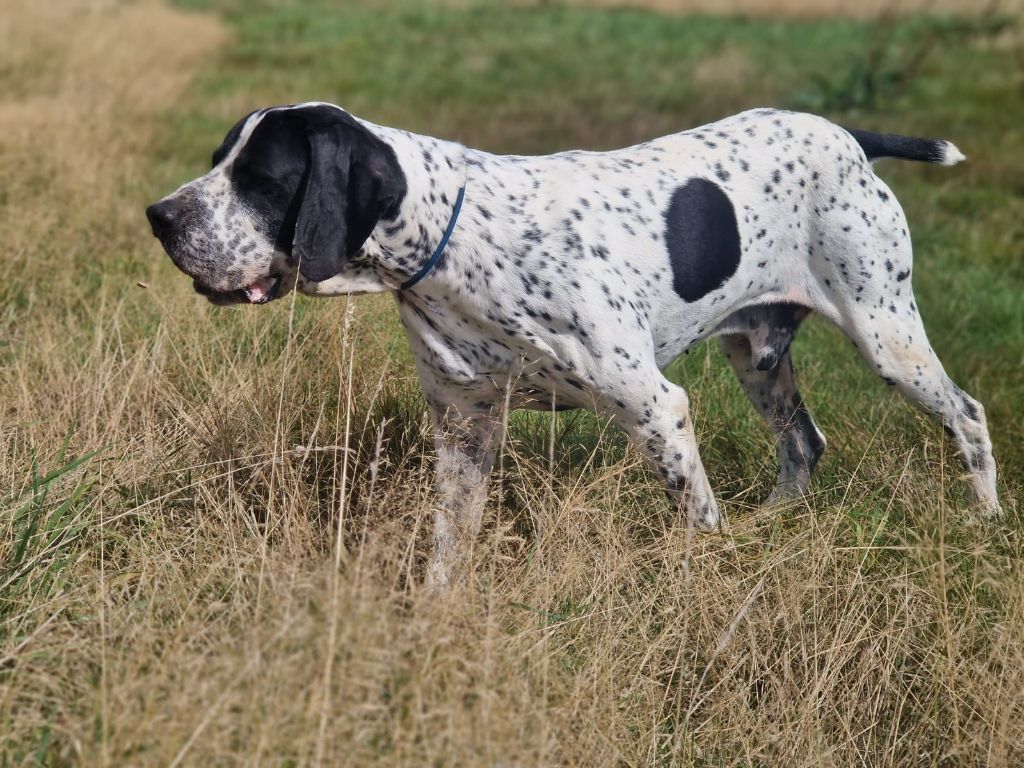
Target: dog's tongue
[258,291]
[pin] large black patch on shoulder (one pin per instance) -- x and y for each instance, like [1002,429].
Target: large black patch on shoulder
[702,238]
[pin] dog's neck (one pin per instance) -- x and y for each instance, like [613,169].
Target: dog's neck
[435,171]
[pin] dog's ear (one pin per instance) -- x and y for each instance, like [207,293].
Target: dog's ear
[321,231]
[352,181]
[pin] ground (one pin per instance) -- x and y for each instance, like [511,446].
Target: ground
[213,522]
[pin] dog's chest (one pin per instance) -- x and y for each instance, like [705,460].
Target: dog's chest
[490,353]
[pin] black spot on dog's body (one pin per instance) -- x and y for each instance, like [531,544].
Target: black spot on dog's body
[702,238]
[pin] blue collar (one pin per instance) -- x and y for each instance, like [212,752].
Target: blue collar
[436,257]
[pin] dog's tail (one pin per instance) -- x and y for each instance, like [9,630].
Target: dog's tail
[879,145]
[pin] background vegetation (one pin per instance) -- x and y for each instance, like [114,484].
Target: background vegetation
[213,521]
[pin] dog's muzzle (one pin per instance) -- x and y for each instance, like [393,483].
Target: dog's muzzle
[168,218]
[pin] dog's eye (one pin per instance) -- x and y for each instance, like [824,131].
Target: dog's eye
[252,172]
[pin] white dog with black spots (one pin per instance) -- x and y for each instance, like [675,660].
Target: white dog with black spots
[572,280]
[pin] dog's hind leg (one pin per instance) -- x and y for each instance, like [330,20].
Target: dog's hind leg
[865,284]
[760,356]
[891,337]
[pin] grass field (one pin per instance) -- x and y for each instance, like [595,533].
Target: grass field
[213,522]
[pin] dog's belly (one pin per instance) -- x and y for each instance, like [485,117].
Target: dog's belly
[582,354]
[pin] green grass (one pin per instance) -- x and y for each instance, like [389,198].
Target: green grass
[45,530]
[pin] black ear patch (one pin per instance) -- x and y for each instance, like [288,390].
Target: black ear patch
[316,181]
[353,180]
[702,237]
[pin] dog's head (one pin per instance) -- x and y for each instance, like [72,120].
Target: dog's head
[292,188]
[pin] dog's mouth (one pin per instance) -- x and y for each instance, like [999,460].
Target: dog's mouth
[258,292]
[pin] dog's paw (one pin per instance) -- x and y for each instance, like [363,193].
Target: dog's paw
[988,510]
[703,513]
[784,494]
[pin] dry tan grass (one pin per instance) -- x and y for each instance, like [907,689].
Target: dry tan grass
[231,600]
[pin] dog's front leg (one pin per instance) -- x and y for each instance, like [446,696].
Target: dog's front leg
[466,443]
[655,413]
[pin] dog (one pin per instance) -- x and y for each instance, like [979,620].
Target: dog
[572,280]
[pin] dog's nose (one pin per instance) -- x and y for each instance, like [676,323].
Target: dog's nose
[162,216]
